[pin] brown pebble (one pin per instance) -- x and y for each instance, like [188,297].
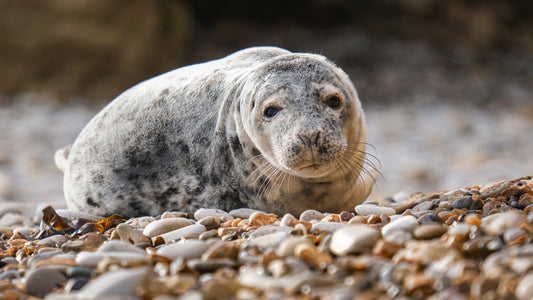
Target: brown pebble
[306,225]
[222,231]
[93,240]
[346,216]
[310,255]
[331,218]
[357,220]
[374,219]
[385,248]
[429,231]
[266,258]
[75,246]
[261,219]
[222,250]
[158,240]
[210,222]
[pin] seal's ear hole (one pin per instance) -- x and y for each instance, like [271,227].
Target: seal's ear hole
[334,102]
[270,112]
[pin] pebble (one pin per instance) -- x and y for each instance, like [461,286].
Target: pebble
[310,215]
[9,219]
[355,238]
[286,247]
[117,245]
[270,240]
[463,202]
[210,222]
[217,213]
[91,259]
[429,231]
[185,249]
[370,209]
[159,227]
[182,232]
[129,234]
[243,213]
[41,281]
[524,289]
[121,283]
[497,224]
[327,227]
[433,246]
[398,227]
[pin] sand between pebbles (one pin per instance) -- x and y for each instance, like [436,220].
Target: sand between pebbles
[470,243]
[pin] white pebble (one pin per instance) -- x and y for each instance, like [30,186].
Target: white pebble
[354,238]
[370,209]
[186,249]
[163,226]
[179,233]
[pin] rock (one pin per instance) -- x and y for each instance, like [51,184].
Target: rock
[77,271]
[116,245]
[221,249]
[243,213]
[497,224]
[311,214]
[122,283]
[217,213]
[203,266]
[288,220]
[370,209]
[268,229]
[163,226]
[261,219]
[355,238]
[210,222]
[463,202]
[75,246]
[524,289]
[319,228]
[398,227]
[429,231]
[52,241]
[186,249]
[270,240]
[286,248]
[91,259]
[184,231]
[9,219]
[41,281]
[127,233]
[346,216]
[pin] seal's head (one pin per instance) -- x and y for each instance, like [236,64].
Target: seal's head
[303,115]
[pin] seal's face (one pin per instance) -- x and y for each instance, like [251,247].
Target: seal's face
[303,118]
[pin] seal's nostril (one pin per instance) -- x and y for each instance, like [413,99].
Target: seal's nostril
[316,138]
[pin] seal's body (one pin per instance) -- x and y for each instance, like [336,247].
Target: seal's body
[262,128]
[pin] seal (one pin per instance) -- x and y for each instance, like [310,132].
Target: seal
[263,128]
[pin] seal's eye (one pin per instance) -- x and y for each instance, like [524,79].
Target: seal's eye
[270,112]
[334,102]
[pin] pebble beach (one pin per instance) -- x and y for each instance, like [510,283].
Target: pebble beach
[469,243]
[451,216]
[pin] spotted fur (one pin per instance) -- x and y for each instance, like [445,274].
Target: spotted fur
[198,137]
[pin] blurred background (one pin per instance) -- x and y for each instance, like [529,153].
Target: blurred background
[447,86]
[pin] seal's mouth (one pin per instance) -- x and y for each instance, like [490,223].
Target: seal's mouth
[312,170]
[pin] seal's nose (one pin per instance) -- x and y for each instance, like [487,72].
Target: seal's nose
[311,140]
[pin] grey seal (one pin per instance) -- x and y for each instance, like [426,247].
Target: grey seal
[263,128]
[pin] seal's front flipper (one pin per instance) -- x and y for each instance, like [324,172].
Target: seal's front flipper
[61,157]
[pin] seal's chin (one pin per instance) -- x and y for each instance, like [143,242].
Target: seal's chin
[313,170]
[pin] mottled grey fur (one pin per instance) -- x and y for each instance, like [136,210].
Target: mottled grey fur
[197,137]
